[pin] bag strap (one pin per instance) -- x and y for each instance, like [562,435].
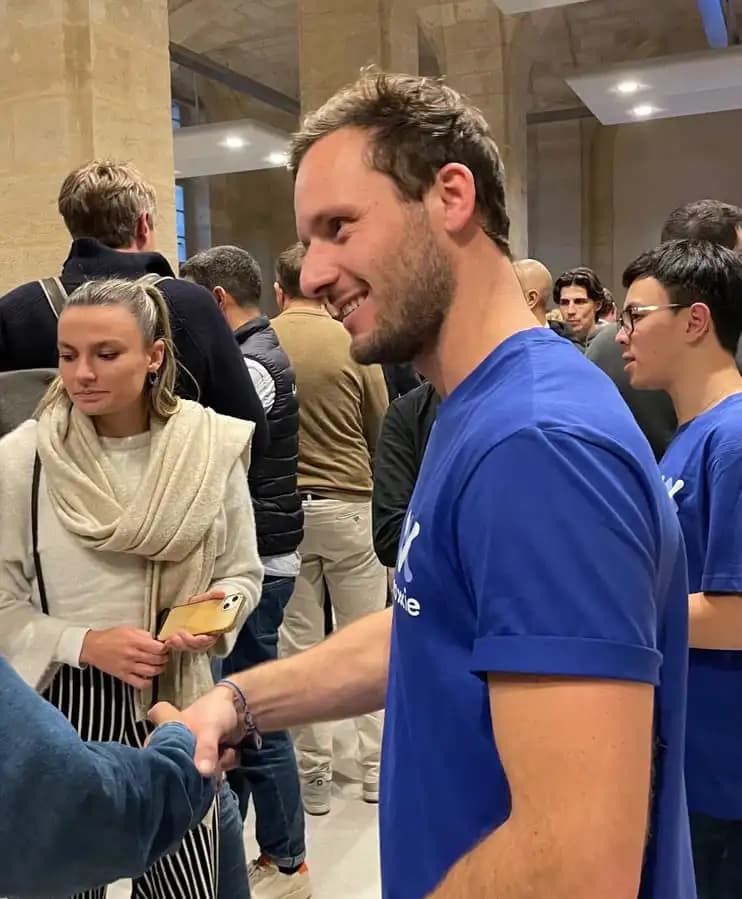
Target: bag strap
[56,295]
[35,532]
[154,279]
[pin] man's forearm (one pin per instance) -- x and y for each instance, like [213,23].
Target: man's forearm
[715,621]
[345,676]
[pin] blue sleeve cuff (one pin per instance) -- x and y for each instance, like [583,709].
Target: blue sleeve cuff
[566,657]
[721,584]
[176,735]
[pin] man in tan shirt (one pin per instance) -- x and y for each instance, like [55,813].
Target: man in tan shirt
[341,408]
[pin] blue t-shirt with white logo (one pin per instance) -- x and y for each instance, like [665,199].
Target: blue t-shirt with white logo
[702,469]
[539,540]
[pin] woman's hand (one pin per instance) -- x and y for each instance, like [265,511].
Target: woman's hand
[182,641]
[128,653]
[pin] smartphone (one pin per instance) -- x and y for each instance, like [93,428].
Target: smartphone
[210,617]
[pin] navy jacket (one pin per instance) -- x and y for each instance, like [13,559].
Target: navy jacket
[203,341]
[78,815]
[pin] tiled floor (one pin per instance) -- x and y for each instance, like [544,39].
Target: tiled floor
[342,846]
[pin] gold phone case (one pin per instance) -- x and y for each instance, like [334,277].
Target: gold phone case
[211,617]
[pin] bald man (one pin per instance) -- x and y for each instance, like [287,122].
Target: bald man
[537,284]
[538,287]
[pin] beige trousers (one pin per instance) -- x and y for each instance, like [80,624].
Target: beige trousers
[337,549]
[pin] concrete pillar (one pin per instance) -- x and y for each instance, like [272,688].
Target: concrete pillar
[485,56]
[598,202]
[338,37]
[81,79]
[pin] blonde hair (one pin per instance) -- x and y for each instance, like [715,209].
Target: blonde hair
[104,200]
[148,306]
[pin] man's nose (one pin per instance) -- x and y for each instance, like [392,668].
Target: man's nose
[318,273]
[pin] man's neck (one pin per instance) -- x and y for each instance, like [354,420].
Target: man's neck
[698,388]
[486,310]
[237,317]
[298,305]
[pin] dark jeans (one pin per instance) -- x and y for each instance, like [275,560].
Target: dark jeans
[233,881]
[270,775]
[717,856]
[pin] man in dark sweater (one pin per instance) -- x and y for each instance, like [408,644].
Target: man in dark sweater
[399,455]
[270,774]
[709,220]
[109,210]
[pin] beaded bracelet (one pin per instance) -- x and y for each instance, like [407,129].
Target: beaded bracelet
[251,729]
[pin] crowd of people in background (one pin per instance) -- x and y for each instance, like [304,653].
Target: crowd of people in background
[421,403]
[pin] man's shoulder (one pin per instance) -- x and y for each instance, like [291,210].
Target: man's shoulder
[30,291]
[185,294]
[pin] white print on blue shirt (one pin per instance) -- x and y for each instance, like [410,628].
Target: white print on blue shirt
[673,487]
[410,533]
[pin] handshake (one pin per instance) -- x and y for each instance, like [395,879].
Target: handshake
[218,721]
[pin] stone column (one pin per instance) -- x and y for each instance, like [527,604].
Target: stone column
[484,54]
[82,79]
[338,37]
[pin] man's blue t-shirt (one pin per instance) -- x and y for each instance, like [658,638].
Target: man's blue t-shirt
[703,473]
[539,540]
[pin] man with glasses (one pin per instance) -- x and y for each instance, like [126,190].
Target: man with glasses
[711,220]
[679,330]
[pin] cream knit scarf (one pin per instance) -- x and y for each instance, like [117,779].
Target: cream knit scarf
[170,519]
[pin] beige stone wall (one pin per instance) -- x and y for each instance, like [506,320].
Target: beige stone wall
[599,196]
[338,37]
[484,55]
[80,80]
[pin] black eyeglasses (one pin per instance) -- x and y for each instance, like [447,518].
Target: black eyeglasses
[629,316]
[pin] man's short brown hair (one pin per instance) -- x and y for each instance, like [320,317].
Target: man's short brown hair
[288,271]
[417,126]
[104,200]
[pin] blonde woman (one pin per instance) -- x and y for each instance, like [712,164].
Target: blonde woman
[117,502]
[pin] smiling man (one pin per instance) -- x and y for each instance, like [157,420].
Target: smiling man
[525,705]
[680,329]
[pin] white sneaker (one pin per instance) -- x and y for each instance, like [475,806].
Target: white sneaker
[315,794]
[267,882]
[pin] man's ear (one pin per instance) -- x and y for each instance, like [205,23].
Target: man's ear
[532,298]
[220,294]
[457,196]
[699,322]
[142,230]
[280,297]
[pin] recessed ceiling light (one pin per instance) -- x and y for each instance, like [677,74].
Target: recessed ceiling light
[233,142]
[628,87]
[643,111]
[278,158]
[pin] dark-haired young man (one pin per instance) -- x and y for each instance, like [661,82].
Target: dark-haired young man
[680,328]
[711,220]
[580,296]
[525,702]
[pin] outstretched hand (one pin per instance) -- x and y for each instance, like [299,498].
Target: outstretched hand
[216,724]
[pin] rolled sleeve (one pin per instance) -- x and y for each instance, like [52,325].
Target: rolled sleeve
[564,585]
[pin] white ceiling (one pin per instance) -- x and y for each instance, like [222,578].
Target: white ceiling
[515,6]
[241,146]
[667,87]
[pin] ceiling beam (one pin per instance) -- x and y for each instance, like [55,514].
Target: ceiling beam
[203,65]
[567,114]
